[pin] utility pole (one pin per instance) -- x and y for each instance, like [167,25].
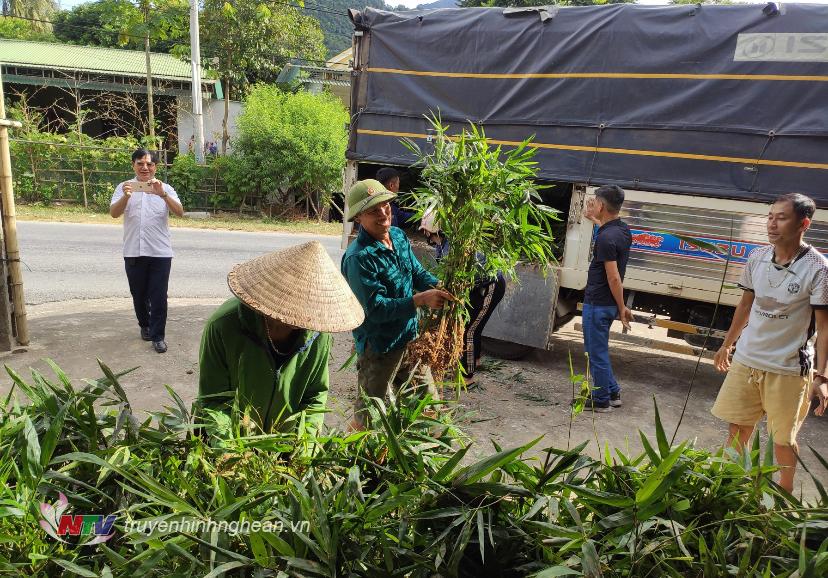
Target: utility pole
[195,58]
[150,105]
[12,249]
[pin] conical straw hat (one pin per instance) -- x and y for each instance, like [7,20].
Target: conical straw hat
[299,286]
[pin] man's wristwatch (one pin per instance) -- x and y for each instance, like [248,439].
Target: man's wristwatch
[164,196]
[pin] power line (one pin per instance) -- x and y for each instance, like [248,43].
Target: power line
[75,26]
[96,28]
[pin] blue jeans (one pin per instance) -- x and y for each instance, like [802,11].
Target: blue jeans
[596,321]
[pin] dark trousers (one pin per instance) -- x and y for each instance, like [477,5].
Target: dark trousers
[482,302]
[148,280]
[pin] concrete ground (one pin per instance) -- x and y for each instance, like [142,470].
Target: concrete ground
[514,402]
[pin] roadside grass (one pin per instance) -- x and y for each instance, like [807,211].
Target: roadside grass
[219,221]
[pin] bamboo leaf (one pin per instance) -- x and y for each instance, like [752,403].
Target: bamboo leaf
[50,440]
[655,459]
[77,569]
[606,498]
[589,560]
[483,468]
[224,569]
[447,468]
[555,571]
[33,467]
[657,477]
[661,437]
[481,535]
[257,546]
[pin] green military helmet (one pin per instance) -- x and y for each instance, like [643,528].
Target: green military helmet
[366,194]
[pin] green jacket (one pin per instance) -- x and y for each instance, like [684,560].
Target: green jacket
[235,355]
[384,282]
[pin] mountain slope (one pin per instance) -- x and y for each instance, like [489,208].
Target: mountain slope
[337,27]
[437,4]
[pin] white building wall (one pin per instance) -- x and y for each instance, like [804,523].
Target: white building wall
[213,114]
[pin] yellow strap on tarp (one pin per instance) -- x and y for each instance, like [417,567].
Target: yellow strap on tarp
[609,75]
[617,151]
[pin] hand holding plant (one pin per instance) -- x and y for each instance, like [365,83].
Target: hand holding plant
[432,298]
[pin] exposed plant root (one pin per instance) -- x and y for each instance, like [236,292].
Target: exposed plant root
[439,346]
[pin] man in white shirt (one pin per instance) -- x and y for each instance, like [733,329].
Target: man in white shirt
[785,301]
[147,248]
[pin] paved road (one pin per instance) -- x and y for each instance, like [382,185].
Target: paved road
[64,261]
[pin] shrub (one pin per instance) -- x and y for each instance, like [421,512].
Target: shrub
[185,176]
[78,168]
[290,148]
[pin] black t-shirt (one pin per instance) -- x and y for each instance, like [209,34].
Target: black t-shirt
[612,243]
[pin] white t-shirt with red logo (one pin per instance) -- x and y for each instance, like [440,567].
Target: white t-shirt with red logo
[780,332]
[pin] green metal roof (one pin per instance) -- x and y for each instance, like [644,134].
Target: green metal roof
[71,57]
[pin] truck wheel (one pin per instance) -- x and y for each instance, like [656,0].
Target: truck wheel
[712,344]
[701,315]
[562,320]
[505,349]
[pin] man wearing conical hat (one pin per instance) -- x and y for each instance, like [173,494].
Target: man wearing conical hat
[391,284]
[270,343]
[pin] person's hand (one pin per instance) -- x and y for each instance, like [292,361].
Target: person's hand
[626,317]
[157,188]
[819,391]
[721,360]
[127,188]
[433,298]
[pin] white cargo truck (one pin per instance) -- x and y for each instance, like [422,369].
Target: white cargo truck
[704,114]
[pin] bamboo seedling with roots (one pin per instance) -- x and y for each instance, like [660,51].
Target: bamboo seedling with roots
[485,200]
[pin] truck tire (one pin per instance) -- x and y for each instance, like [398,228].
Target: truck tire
[505,350]
[712,343]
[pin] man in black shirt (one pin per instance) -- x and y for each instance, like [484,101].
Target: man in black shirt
[604,297]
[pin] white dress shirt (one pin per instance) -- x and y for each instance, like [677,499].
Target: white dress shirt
[146,223]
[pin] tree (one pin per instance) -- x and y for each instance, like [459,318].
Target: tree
[244,41]
[41,10]
[16,29]
[98,23]
[120,23]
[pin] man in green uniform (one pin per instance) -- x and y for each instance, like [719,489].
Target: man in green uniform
[384,274]
[270,343]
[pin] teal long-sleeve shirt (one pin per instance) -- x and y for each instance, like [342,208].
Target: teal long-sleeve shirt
[235,355]
[384,282]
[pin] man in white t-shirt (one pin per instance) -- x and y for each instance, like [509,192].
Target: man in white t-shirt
[785,302]
[147,248]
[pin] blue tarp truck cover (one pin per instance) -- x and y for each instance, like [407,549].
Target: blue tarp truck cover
[724,101]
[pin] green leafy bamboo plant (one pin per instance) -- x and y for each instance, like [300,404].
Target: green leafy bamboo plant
[405,499]
[486,202]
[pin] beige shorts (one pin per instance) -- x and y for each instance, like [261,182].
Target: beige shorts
[747,394]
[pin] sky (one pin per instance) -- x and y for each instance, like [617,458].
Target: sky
[66,4]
